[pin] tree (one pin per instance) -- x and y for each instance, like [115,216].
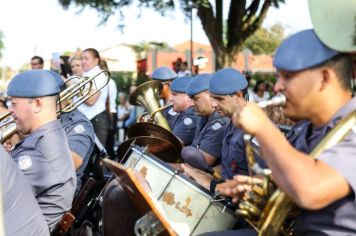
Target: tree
[141,49]
[265,41]
[1,44]
[244,18]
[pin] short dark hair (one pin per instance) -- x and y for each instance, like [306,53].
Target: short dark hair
[342,65]
[40,59]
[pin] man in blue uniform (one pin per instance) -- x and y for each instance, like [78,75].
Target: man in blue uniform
[44,155]
[187,120]
[81,140]
[166,75]
[227,87]
[315,80]
[206,146]
[22,215]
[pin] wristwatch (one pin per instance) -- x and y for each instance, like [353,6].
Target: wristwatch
[213,184]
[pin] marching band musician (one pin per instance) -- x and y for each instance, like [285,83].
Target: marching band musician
[226,87]
[187,120]
[316,81]
[22,215]
[81,141]
[43,156]
[210,130]
[166,75]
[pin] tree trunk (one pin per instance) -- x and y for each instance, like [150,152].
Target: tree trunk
[225,59]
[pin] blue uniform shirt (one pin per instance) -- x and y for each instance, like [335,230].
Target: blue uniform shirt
[209,134]
[171,116]
[81,138]
[45,159]
[22,215]
[338,218]
[233,155]
[185,125]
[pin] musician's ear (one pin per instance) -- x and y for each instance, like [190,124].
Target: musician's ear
[239,94]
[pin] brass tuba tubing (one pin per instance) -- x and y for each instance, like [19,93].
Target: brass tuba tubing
[250,207]
[147,95]
[84,86]
[82,89]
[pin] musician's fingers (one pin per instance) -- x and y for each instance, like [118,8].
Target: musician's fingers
[226,188]
[244,179]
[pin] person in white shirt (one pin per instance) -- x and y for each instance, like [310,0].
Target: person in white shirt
[260,92]
[111,107]
[94,108]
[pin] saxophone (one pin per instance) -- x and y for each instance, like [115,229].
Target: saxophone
[265,207]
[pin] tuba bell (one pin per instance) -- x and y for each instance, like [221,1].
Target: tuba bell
[269,210]
[147,95]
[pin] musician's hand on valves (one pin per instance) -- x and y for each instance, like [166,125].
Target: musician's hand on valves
[237,187]
[249,117]
[199,176]
[7,145]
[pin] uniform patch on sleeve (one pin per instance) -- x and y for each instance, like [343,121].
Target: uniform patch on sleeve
[79,129]
[187,121]
[216,126]
[25,162]
[171,112]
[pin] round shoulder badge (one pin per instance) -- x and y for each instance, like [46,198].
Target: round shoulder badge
[79,129]
[24,162]
[171,112]
[188,121]
[216,126]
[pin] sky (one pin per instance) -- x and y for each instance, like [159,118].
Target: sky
[43,27]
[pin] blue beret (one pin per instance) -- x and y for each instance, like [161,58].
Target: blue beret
[180,84]
[198,84]
[301,51]
[163,73]
[35,83]
[227,81]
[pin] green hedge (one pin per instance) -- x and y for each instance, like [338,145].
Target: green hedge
[270,77]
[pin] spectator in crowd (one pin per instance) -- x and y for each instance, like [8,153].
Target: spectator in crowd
[111,108]
[95,107]
[37,63]
[76,66]
[183,70]
[123,114]
[260,92]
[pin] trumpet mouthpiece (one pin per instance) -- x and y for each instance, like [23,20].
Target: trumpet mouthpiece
[278,100]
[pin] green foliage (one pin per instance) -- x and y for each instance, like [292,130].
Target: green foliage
[270,77]
[1,43]
[244,18]
[145,46]
[265,41]
[141,78]
[123,80]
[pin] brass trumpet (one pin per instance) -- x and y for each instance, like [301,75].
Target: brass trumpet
[73,96]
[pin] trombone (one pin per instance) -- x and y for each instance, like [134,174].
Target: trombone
[73,96]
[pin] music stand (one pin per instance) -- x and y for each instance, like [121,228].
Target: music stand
[137,189]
